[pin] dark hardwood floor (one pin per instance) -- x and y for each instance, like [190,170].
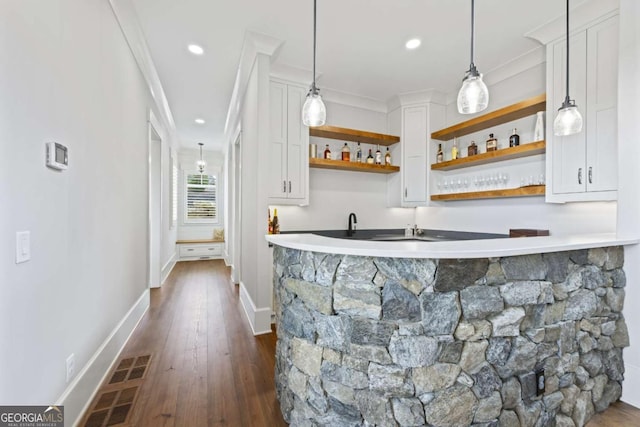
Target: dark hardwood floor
[207,368]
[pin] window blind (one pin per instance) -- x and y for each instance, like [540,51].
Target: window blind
[201,200]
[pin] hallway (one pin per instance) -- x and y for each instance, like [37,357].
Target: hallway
[206,367]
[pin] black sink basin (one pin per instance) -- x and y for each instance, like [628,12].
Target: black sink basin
[396,235]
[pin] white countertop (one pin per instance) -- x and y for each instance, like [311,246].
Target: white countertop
[488,248]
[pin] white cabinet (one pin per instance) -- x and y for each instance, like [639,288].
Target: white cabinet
[195,251]
[583,167]
[418,121]
[288,146]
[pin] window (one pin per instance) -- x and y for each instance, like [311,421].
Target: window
[201,204]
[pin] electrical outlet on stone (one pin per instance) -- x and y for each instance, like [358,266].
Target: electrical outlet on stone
[71,366]
[540,382]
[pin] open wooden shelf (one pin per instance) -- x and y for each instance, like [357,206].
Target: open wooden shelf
[532,190]
[351,166]
[344,134]
[503,115]
[524,150]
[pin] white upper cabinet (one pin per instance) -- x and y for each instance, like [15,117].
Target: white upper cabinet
[288,146]
[583,167]
[418,121]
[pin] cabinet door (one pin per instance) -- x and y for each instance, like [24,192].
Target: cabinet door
[297,145]
[414,155]
[602,100]
[569,152]
[277,140]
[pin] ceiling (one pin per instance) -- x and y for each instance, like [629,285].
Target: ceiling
[360,47]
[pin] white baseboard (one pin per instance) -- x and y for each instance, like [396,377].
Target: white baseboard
[234,274]
[631,385]
[259,318]
[168,268]
[81,391]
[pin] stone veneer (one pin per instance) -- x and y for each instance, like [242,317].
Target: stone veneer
[368,341]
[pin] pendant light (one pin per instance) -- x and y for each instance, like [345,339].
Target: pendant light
[474,95]
[569,120]
[200,164]
[314,113]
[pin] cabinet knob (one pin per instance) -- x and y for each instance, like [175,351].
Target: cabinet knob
[405,192]
[284,186]
[579,175]
[590,176]
[289,186]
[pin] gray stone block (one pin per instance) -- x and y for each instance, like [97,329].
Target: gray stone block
[457,274]
[581,304]
[485,382]
[453,407]
[440,312]
[557,266]
[408,411]
[371,332]
[413,351]
[429,379]
[524,267]
[399,304]
[478,302]
[521,293]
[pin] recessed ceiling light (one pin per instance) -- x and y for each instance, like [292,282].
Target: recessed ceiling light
[413,43]
[199,121]
[195,49]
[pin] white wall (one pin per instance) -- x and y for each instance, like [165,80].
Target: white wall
[628,191]
[498,215]
[68,75]
[215,164]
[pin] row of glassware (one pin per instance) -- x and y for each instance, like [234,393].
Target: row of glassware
[492,181]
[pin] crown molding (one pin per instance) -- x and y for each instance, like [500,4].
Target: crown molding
[352,100]
[127,18]
[292,74]
[581,16]
[418,97]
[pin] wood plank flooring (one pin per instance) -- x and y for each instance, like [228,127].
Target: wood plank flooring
[208,369]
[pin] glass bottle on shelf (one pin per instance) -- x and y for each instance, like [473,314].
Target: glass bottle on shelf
[387,157]
[454,149]
[327,153]
[492,143]
[359,154]
[346,153]
[472,149]
[378,156]
[370,157]
[440,155]
[514,139]
[538,133]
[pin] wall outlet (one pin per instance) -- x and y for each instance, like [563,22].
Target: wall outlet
[540,382]
[71,366]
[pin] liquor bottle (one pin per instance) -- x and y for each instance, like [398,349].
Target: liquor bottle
[327,152]
[387,157]
[514,139]
[359,154]
[276,224]
[346,153]
[440,155]
[378,156]
[269,223]
[538,133]
[472,149]
[454,150]
[370,158]
[492,143]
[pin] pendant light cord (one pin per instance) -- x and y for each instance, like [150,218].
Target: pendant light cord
[314,46]
[567,70]
[473,26]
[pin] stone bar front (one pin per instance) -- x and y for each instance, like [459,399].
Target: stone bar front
[530,340]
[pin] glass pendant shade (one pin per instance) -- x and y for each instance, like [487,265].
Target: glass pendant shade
[568,120]
[201,164]
[314,113]
[473,96]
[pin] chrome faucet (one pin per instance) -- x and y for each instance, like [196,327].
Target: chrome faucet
[352,225]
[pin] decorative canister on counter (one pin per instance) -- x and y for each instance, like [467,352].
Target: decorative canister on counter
[313,151]
[472,150]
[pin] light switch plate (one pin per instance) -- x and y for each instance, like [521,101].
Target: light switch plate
[23,246]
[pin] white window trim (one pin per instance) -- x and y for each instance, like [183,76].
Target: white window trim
[188,221]
[173,194]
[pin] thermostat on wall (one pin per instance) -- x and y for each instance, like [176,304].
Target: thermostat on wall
[57,156]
